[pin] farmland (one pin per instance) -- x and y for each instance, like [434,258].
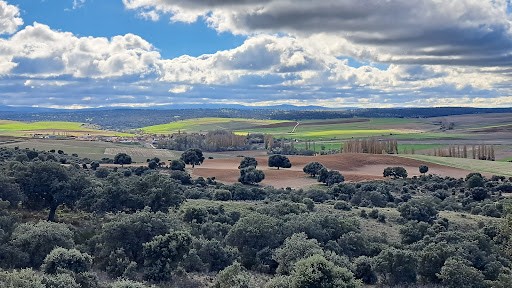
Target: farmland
[490,167]
[340,129]
[90,149]
[56,128]
[206,124]
[418,136]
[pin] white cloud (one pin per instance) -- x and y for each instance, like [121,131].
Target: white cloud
[150,15]
[178,89]
[38,50]
[78,4]
[10,19]
[301,68]
[463,32]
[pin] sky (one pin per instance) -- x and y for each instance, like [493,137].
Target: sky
[334,53]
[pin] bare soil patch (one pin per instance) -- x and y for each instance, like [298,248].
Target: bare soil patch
[355,167]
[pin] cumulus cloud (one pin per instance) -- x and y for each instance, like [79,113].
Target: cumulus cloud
[464,32]
[10,19]
[38,50]
[297,54]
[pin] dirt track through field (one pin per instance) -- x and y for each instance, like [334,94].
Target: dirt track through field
[355,167]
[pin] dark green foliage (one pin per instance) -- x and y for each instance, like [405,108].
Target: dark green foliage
[313,168]
[419,209]
[95,165]
[48,185]
[342,205]
[250,175]
[120,193]
[474,180]
[215,255]
[181,176]
[177,165]
[253,233]
[102,172]
[39,239]
[432,258]
[64,259]
[279,282]
[479,193]
[379,197]
[458,272]
[32,154]
[395,172]
[423,169]
[310,204]
[192,157]
[195,214]
[234,276]
[321,226]
[316,271]
[122,159]
[279,161]
[396,266]
[413,231]
[322,175]
[163,254]
[282,208]
[248,162]
[354,244]
[332,177]
[10,191]
[127,284]
[374,214]
[295,248]
[130,231]
[222,195]
[152,164]
[241,192]
[342,191]
[363,270]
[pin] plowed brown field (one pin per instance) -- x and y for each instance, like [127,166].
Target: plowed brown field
[355,167]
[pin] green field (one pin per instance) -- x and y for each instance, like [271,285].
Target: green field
[326,130]
[26,129]
[318,130]
[206,124]
[407,148]
[491,167]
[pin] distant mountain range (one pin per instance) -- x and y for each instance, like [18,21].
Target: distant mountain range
[26,109]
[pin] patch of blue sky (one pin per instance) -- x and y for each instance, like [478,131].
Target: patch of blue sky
[107,18]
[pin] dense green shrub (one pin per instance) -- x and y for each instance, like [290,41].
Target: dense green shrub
[295,248]
[163,254]
[316,271]
[66,259]
[38,239]
[419,209]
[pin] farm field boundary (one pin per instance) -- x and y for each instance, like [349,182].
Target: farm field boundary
[492,167]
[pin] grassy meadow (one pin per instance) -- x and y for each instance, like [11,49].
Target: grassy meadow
[327,130]
[491,167]
[27,129]
[206,124]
